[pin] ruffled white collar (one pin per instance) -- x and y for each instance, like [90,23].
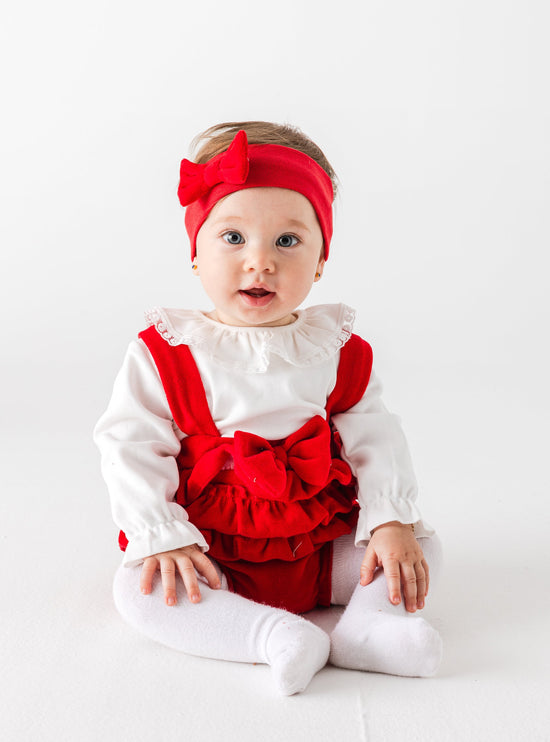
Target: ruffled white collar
[317,334]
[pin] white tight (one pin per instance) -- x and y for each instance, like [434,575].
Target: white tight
[372,634]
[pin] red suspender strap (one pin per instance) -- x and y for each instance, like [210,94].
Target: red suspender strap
[354,371]
[182,384]
[187,399]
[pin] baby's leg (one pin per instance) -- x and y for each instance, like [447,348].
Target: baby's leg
[226,626]
[373,634]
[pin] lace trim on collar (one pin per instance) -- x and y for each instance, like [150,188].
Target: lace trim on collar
[317,334]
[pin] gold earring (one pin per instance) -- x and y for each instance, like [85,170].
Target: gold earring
[317,275]
[194,267]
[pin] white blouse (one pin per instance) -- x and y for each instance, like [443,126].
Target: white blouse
[267,381]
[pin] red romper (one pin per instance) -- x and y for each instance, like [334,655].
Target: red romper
[268,510]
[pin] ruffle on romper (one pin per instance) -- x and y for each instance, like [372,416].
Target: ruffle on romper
[259,501]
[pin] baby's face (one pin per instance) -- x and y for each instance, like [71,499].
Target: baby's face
[258,253]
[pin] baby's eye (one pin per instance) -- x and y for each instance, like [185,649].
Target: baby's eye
[287,240]
[233,238]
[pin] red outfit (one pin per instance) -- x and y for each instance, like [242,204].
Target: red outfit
[268,510]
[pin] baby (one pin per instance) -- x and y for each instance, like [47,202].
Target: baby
[247,451]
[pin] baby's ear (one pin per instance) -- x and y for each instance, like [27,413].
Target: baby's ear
[320,268]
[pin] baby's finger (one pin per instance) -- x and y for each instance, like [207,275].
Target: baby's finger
[427,573]
[420,585]
[204,567]
[393,578]
[409,586]
[189,577]
[368,567]
[148,570]
[168,572]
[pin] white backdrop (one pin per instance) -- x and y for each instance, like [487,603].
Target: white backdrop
[435,116]
[436,119]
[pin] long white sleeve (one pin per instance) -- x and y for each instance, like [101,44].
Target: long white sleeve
[139,441]
[266,381]
[376,449]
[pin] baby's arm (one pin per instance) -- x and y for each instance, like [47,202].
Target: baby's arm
[376,449]
[139,442]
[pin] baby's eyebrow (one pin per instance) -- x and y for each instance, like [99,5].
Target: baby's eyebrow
[222,219]
[299,224]
[230,219]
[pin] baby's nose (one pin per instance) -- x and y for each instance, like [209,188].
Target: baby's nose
[259,257]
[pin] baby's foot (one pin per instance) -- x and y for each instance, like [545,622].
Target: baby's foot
[296,650]
[396,645]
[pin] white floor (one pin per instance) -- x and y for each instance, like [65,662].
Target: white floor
[72,671]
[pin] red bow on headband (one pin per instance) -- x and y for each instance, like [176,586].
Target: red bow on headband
[229,167]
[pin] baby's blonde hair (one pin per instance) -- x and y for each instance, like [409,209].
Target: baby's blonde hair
[217,139]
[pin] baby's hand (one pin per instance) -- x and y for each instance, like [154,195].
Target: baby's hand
[186,560]
[394,547]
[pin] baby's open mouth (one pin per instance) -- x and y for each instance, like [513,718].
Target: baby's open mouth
[256,296]
[256,292]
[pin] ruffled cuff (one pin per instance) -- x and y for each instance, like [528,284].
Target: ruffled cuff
[162,537]
[384,510]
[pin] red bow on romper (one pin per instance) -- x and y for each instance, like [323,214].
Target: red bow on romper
[268,470]
[266,467]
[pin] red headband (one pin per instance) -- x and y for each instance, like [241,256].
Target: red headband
[255,166]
